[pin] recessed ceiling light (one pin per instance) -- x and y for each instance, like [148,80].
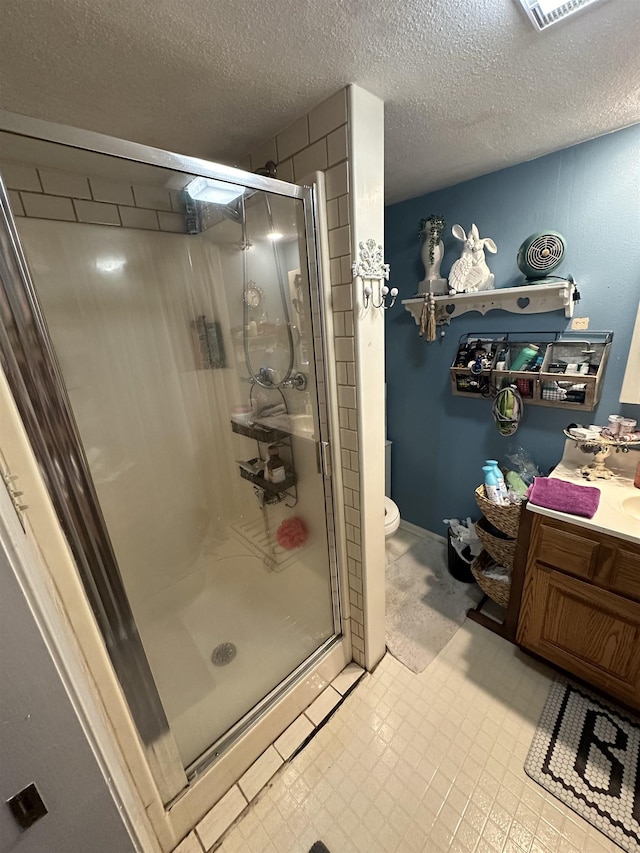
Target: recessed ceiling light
[215,192]
[275,235]
[544,13]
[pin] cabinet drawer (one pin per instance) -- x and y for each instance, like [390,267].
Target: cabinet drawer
[590,632]
[566,551]
[622,572]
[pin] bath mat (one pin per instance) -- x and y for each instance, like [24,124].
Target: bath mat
[425,605]
[585,752]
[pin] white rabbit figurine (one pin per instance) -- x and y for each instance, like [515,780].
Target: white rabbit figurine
[470,272]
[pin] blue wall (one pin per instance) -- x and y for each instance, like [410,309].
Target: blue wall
[590,193]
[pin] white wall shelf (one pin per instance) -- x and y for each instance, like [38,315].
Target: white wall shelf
[528,299]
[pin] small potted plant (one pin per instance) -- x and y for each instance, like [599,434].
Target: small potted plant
[431,229]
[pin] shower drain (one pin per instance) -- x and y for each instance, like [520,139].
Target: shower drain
[223,654]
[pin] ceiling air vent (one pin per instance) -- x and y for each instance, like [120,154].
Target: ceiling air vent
[545,13]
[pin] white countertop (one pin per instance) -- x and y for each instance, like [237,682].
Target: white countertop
[610,517]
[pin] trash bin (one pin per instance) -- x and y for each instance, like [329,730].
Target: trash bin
[459,566]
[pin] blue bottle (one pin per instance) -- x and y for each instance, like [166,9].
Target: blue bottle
[502,486]
[491,484]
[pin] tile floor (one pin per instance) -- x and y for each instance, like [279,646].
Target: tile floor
[430,762]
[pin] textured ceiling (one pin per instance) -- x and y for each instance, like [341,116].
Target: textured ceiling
[469,85]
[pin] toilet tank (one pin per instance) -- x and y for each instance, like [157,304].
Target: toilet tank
[387,468]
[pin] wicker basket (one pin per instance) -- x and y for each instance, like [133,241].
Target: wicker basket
[497,591]
[505,518]
[503,550]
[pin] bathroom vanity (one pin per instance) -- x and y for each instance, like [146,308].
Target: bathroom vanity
[580,605]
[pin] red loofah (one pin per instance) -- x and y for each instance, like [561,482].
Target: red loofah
[292,533]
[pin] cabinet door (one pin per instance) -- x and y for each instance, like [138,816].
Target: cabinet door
[590,632]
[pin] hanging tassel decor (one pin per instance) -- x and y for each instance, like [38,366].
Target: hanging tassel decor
[428,318]
[424,316]
[431,321]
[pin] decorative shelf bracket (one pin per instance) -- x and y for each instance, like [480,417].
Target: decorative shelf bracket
[528,299]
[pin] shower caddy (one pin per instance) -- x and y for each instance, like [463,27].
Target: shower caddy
[543,387]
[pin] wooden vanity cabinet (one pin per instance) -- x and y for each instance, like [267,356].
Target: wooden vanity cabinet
[580,606]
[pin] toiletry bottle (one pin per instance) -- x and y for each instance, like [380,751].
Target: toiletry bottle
[636,479]
[524,356]
[491,484]
[274,470]
[501,485]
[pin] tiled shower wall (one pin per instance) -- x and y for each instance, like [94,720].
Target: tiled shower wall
[49,194]
[319,141]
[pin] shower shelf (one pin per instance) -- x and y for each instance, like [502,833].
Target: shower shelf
[267,435]
[272,488]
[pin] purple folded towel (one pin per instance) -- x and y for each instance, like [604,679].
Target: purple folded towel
[564,497]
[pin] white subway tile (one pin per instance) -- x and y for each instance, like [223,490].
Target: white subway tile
[309,160]
[293,738]
[285,170]
[135,217]
[347,396]
[293,139]
[64,183]
[111,191]
[155,198]
[333,220]
[261,156]
[337,180]
[16,204]
[349,440]
[97,212]
[48,207]
[345,269]
[335,271]
[337,145]
[338,324]
[344,349]
[257,776]
[341,297]
[341,373]
[171,222]
[352,516]
[219,819]
[339,241]
[328,115]
[323,705]
[344,214]
[19,177]
[190,844]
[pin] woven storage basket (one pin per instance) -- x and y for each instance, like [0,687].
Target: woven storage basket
[505,518]
[497,591]
[503,551]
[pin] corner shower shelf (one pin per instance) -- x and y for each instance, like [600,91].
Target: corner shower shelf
[273,492]
[272,488]
[528,299]
[266,435]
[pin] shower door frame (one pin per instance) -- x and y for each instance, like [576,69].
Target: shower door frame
[36,382]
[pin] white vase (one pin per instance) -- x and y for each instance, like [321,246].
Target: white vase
[432,282]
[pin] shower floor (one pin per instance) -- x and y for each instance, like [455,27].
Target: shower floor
[273,619]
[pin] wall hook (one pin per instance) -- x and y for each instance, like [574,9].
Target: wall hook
[372,271]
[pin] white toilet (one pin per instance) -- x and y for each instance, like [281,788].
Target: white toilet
[391,511]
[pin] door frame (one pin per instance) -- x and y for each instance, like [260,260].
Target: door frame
[47,417]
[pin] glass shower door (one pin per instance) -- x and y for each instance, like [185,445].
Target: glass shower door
[187,335]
